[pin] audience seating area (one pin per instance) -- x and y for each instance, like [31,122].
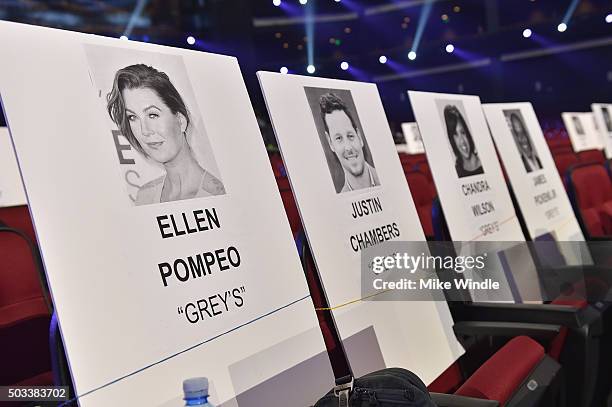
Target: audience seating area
[25,309]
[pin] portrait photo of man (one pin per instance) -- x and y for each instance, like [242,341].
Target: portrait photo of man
[523,141]
[346,150]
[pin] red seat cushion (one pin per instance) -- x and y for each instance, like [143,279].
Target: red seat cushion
[500,376]
[448,381]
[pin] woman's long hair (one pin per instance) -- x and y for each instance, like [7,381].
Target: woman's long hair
[452,116]
[141,76]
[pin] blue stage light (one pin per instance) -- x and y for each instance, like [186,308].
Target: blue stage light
[310,69]
[526,33]
[382,59]
[276,2]
[284,69]
[412,55]
[450,48]
[190,40]
[562,27]
[344,65]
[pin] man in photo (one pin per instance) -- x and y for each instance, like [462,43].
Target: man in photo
[346,142]
[467,162]
[578,125]
[607,119]
[530,159]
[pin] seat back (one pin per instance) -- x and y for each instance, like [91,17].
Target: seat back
[18,217]
[423,199]
[564,161]
[289,203]
[591,156]
[591,196]
[24,313]
[277,164]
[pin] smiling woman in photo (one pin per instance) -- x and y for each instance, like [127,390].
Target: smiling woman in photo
[152,115]
[466,157]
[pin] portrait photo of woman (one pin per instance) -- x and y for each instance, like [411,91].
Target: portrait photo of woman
[152,115]
[460,138]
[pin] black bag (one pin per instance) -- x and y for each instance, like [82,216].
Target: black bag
[392,387]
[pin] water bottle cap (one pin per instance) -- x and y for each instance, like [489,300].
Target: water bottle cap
[195,387]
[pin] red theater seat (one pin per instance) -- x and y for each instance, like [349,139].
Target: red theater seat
[503,373]
[289,203]
[591,194]
[277,164]
[24,313]
[591,156]
[423,199]
[564,161]
[18,217]
[423,166]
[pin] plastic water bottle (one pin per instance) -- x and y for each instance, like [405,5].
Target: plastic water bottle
[196,392]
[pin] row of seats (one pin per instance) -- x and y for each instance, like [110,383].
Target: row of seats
[464,378]
[25,312]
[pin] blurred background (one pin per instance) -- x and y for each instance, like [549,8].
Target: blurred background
[555,53]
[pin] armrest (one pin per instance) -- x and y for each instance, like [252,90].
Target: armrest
[451,400]
[485,328]
[605,238]
[563,315]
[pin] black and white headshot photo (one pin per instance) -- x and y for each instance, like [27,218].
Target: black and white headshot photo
[467,162]
[416,135]
[346,149]
[151,112]
[605,112]
[578,125]
[523,141]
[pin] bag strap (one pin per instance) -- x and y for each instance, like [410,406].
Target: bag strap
[341,366]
